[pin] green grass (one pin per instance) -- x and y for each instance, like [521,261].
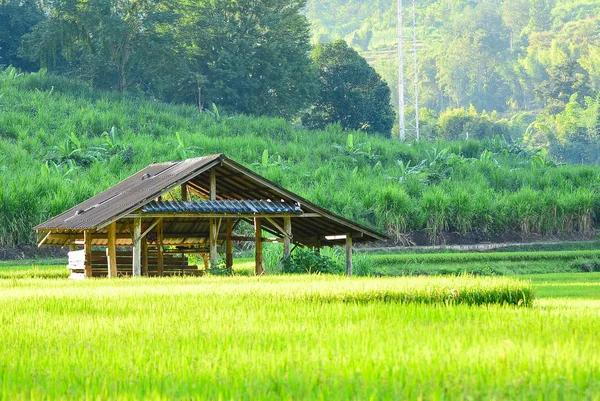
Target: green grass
[576,285]
[20,271]
[292,337]
[484,263]
[467,257]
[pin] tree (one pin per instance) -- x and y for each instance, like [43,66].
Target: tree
[247,56]
[471,60]
[17,18]
[102,40]
[515,15]
[564,79]
[351,92]
[541,15]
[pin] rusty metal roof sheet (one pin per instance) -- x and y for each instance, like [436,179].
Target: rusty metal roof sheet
[221,206]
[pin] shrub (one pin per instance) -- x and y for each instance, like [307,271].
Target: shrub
[304,261]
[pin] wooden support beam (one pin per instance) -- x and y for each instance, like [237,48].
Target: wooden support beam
[44,238]
[111,250]
[213,184]
[258,257]
[184,192]
[154,224]
[213,242]
[87,246]
[349,254]
[144,256]
[287,228]
[160,262]
[137,249]
[228,244]
[277,226]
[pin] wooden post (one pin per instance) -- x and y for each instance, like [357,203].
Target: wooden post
[258,258]
[160,261]
[137,249]
[349,254]
[213,242]
[287,227]
[87,245]
[228,244]
[111,250]
[213,184]
[184,192]
[144,246]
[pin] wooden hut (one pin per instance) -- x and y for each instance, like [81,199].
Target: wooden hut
[168,210]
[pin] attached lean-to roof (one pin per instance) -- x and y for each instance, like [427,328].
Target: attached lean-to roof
[221,206]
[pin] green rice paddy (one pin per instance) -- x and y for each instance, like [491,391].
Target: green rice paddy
[299,337]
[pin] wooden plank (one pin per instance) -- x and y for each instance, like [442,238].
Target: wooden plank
[258,258]
[159,254]
[213,243]
[87,246]
[144,246]
[111,250]
[228,244]
[213,184]
[349,254]
[287,228]
[137,249]
[184,192]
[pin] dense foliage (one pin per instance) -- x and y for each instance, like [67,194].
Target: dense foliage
[522,58]
[351,92]
[245,56]
[522,69]
[62,142]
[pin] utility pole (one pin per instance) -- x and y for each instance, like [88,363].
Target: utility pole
[416,71]
[401,122]
[407,128]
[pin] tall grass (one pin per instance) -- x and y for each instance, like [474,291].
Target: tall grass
[54,153]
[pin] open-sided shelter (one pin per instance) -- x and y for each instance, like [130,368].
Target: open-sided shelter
[171,209]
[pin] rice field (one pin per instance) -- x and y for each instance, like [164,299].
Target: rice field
[299,337]
[483,263]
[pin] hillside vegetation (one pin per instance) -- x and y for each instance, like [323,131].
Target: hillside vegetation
[62,142]
[535,62]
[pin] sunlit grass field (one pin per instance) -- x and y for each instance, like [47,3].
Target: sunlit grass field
[298,337]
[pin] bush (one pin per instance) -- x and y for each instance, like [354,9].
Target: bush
[304,261]
[586,265]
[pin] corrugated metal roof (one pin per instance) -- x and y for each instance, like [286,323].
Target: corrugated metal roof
[221,206]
